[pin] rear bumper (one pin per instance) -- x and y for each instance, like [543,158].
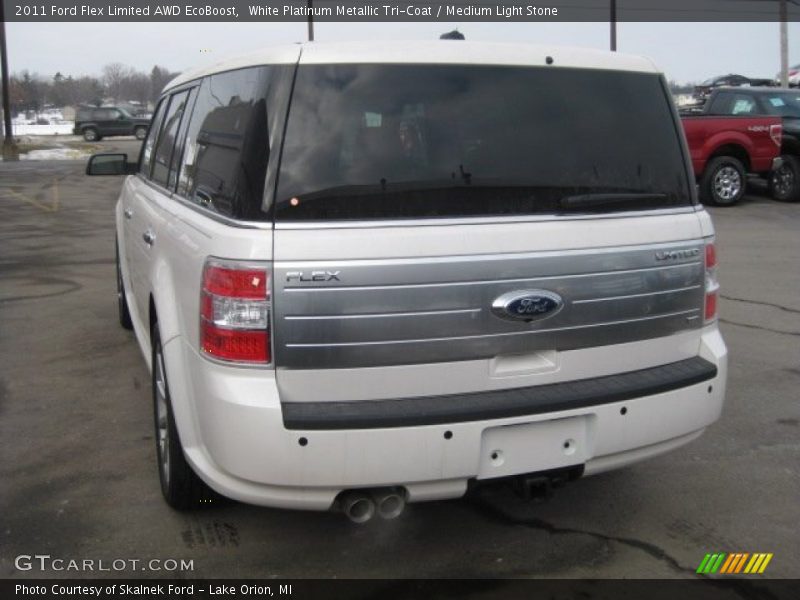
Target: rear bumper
[498,404]
[231,423]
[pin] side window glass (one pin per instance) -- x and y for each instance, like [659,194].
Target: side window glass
[162,157]
[721,104]
[227,144]
[177,154]
[147,147]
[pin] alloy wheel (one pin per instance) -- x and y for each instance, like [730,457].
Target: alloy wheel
[162,418]
[727,183]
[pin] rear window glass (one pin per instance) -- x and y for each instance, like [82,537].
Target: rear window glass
[420,141]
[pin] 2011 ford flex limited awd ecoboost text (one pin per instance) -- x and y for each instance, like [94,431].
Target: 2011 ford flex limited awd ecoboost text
[370,274]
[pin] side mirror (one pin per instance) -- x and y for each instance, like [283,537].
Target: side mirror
[110,164]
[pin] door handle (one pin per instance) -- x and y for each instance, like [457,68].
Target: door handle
[128,213]
[149,237]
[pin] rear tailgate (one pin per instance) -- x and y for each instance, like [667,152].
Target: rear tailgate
[390,318]
[414,210]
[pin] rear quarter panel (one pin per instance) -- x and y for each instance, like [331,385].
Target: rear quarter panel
[706,135]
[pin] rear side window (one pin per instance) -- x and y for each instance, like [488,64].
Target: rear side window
[168,136]
[731,103]
[177,154]
[152,134]
[105,114]
[227,144]
[423,141]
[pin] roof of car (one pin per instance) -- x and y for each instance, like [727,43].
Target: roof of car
[431,52]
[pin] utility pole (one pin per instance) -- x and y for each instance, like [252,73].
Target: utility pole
[784,45]
[310,21]
[612,21]
[9,147]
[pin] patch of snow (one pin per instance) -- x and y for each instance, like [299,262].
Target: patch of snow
[56,154]
[63,128]
[52,114]
[685,99]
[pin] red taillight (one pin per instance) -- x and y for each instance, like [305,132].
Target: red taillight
[239,346]
[237,283]
[776,134]
[711,283]
[235,312]
[711,256]
[711,307]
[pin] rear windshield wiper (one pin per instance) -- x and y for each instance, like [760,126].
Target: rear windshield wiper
[596,200]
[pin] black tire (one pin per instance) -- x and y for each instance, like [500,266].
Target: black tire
[90,134]
[140,133]
[122,302]
[724,181]
[784,182]
[181,487]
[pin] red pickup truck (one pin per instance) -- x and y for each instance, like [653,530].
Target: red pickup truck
[725,149]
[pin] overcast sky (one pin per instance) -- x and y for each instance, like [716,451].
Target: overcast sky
[684,51]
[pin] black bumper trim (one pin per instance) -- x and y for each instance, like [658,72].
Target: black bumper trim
[496,404]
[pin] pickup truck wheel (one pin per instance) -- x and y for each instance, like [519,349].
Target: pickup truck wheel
[784,182]
[723,182]
[90,134]
[140,133]
[181,487]
[122,303]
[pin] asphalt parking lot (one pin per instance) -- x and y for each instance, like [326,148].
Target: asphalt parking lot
[77,454]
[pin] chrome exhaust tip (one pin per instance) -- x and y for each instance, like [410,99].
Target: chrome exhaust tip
[358,507]
[390,503]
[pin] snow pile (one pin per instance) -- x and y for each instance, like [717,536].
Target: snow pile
[56,154]
[63,128]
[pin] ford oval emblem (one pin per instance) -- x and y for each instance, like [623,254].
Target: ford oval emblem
[528,305]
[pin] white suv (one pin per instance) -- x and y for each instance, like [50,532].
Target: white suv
[366,274]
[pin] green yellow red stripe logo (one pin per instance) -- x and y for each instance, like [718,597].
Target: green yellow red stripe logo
[734,562]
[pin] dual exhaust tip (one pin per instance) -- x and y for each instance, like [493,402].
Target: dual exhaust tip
[362,505]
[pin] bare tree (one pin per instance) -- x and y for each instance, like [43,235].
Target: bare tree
[33,92]
[114,75]
[30,92]
[136,86]
[159,77]
[16,93]
[60,92]
[87,90]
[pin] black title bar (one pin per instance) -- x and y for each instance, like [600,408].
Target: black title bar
[454,11]
[703,588]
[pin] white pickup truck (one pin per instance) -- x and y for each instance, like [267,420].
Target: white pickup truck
[370,274]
